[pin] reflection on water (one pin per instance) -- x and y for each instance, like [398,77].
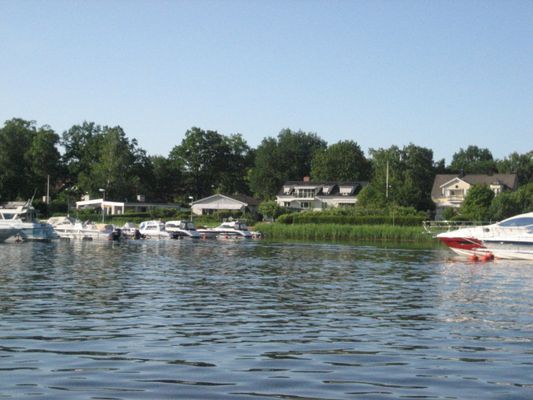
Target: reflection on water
[183,319]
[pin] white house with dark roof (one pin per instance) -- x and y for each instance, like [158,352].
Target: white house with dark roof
[308,195]
[450,190]
[221,202]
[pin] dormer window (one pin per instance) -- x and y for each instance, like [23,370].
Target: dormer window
[287,190]
[346,190]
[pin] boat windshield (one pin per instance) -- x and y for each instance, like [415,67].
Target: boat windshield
[521,221]
[187,226]
[242,227]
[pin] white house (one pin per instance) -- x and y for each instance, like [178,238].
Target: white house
[119,207]
[307,195]
[450,190]
[221,202]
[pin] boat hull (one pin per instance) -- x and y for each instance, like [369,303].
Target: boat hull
[465,246]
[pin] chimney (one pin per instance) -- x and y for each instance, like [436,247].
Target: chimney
[306,179]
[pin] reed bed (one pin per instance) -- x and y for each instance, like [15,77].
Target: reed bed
[336,232]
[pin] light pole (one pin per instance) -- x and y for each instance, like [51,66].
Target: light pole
[191,199]
[103,200]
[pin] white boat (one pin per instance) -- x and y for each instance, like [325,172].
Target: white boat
[182,229]
[229,228]
[130,231]
[18,220]
[69,228]
[511,238]
[154,230]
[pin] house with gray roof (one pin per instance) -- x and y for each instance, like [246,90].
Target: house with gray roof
[221,202]
[308,195]
[450,190]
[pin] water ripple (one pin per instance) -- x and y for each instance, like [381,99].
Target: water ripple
[210,320]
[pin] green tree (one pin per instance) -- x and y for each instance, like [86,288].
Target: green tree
[477,202]
[520,164]
[113,171]
[27,156]
[212,161]
[99,157]
[82,148]
[287,157]
[266,177]
[271,209]
[237,160]
[473,160]
[343,161]
[166,179]
[409,172]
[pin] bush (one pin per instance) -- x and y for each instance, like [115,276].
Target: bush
[325,217]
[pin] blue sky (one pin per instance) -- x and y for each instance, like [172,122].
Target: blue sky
[439,74]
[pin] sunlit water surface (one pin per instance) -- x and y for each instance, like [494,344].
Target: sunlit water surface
[252,320]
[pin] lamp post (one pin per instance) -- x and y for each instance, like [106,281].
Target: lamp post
[103,200]
[191,199]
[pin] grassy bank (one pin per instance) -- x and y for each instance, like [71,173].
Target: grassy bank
[335,232]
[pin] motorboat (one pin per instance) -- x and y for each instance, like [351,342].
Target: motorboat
[229,228]
[130,231]
[182,229]
[18,221]
[73,229]
[155,230]
[511,238]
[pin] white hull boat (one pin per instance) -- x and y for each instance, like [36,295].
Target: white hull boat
[154,230]
[227,229]
[71,229]
[182,229]
[511,238]
[18,222]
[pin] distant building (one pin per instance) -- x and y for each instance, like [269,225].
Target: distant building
[307,195]
[450,190]
[221,202]
[120,207]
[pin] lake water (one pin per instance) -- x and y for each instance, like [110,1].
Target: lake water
[261,320]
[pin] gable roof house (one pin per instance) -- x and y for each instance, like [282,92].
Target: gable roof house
[307,195]
[450,190]
[219,202]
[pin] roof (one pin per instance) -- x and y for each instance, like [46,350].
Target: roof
[335,186]
[245,200]
[510,181]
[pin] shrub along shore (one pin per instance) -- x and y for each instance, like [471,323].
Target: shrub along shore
[343,232]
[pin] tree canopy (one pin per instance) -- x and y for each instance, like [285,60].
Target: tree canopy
[473,160]
[89,157]
[287,157]
[402,177]
[343,161]
[28,155]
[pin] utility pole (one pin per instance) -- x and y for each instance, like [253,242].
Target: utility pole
[387,182]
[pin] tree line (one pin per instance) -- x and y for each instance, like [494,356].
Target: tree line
[89,157]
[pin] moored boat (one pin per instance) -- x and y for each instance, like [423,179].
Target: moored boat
[234,228]
[72,229]
[182,229]
[154,230]
[18,219]
[511,238]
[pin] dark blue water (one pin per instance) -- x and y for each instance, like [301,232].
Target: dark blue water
[260,320]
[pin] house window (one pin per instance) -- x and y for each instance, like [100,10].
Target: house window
[345,190]
[306,193]
[286,204]
[304,204]
[456,192]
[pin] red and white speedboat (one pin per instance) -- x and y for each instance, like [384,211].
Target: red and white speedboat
[511,238]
